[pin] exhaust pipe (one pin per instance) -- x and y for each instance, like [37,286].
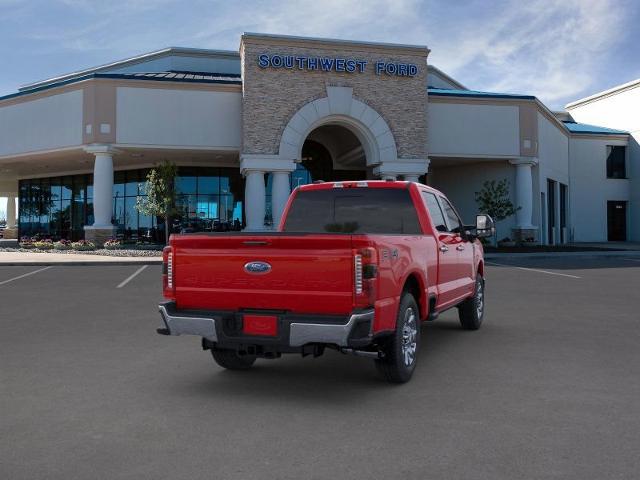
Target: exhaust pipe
[362,353]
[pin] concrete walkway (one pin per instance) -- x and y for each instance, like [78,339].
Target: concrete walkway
[32,258]
[588,254]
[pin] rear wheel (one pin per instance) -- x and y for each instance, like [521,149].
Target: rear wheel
[230,359]
[401,349]
[471,311]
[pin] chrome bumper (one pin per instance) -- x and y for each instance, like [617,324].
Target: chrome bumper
[303,333]
[300,333]
[179,325]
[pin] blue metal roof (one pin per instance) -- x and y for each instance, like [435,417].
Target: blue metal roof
[444,92]
[575,127]
[173,76]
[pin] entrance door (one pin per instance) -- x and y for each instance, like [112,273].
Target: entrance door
[617,221]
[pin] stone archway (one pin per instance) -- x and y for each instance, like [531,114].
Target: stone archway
[340,108]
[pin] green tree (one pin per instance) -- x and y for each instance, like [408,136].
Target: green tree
[493,199]
[160,199]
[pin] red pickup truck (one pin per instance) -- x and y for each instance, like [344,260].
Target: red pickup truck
[355,266]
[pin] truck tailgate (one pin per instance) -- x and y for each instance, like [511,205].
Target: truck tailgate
[308,274]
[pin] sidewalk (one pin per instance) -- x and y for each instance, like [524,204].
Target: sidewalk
[32,258]
[593,253]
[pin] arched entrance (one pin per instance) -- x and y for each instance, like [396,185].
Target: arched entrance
[334,138]
[334,153]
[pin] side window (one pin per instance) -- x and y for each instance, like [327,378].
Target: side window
[452,217]
[435,211]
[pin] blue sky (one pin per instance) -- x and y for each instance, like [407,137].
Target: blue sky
[557,50]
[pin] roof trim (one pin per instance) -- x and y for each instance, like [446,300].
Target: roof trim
[335,41]
[442,92]
[447,77]
[118,76]
[604,93]
[593,129]
[132,61]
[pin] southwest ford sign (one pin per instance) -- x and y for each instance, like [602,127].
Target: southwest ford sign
[331,64]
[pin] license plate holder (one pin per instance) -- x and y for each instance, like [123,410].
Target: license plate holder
[260,325]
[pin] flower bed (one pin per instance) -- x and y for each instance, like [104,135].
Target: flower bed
[113,244]
[62,245]
[83,245]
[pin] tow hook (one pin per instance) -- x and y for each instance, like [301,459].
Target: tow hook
[362,353]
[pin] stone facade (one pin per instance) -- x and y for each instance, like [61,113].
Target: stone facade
[272,96]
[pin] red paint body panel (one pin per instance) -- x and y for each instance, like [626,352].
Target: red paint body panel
[314,273]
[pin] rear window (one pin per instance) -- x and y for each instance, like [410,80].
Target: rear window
[353,210]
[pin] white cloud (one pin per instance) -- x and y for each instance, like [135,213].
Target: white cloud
[548,48]
[554,49]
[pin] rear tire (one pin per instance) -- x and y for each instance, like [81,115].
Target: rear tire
[401,349]
[230,359]
[471,311]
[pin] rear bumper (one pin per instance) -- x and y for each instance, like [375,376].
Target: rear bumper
[294,331]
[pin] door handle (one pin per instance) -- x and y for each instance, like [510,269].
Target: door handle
[444,248]
[460,248]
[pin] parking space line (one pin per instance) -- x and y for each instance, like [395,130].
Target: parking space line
[132,276]
[25,275]
[533,270]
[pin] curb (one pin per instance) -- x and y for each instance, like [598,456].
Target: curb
[81,263]
[547,255]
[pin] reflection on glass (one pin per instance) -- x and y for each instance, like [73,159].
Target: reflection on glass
[59,207]
[186,184]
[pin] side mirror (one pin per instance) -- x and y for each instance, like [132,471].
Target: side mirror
[484,226]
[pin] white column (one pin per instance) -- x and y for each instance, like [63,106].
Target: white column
[11,211]
[254,199]
[409,168]
[524,192]
[280,190]
[103,190]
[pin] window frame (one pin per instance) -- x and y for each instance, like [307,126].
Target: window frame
[442,200]
[625,172]
[426,205]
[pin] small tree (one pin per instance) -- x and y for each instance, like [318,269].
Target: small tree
[494,200]
[160,193]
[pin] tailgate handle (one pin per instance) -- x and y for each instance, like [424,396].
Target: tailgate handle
[256,242]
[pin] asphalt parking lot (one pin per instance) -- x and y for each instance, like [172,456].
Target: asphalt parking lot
[548,388]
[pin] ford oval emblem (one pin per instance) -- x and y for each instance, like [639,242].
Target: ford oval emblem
[257,268]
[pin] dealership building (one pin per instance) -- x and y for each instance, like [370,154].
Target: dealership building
[246,127]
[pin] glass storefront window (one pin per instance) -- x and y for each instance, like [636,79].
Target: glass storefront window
[59,207]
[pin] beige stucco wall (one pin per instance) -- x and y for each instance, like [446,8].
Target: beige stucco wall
[271,96]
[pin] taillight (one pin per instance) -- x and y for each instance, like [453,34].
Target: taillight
[365,266]
[358,283]
[167,272]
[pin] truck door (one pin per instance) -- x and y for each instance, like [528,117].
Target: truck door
[447,254]
[464,249]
